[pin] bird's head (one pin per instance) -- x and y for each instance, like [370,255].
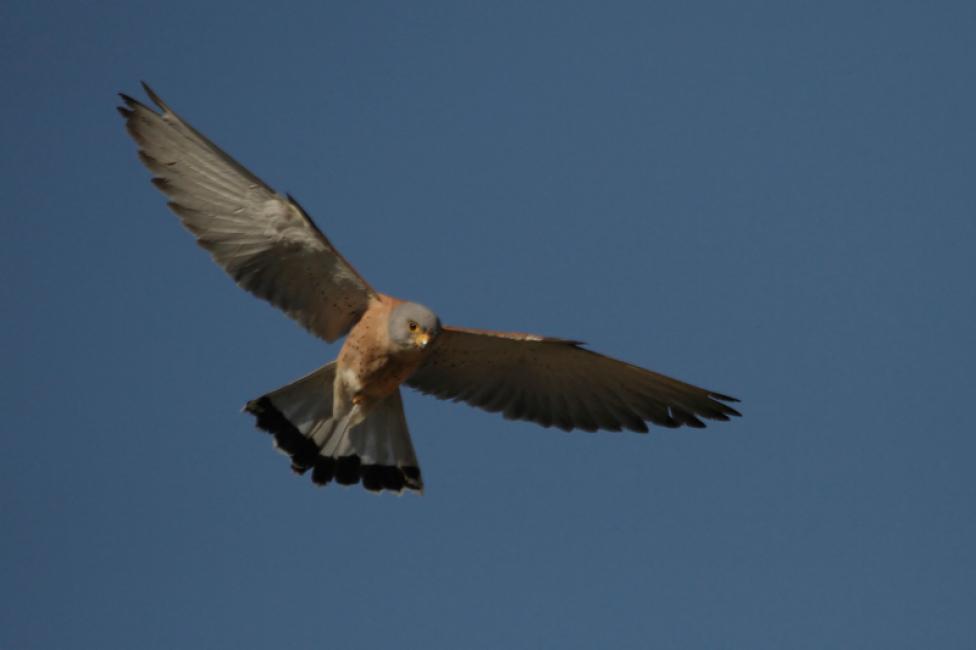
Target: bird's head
[413,327]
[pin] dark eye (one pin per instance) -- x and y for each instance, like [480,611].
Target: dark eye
[412,325]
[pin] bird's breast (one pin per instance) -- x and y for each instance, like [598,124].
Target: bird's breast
[374,376]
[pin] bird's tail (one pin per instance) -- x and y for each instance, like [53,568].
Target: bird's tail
[376,451]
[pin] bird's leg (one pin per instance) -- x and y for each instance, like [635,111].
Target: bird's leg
[341,426]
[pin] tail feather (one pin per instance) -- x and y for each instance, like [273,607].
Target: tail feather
[376,451]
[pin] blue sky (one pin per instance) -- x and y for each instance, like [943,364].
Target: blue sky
[773,200]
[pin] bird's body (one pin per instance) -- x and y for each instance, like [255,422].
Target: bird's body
[345,421]
[369,368]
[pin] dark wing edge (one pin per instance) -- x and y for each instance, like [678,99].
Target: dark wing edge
[556,382]
[265,241]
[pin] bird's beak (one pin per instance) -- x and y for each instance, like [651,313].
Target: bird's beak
[421,340]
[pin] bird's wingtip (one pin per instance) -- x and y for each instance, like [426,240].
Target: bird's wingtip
[154,97]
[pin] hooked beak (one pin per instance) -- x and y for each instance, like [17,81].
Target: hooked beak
[421,340]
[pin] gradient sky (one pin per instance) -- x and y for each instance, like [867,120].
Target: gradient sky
[772,200]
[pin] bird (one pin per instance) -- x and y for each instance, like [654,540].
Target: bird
[345,422]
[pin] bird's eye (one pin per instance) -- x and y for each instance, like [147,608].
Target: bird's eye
[412,325]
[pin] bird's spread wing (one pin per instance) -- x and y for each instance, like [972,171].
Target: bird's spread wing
[264,240]
[555,382]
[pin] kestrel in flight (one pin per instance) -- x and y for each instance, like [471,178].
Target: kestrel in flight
[345,421]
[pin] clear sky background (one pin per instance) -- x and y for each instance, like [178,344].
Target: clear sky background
[773,200]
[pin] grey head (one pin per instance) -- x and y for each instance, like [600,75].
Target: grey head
[413,327]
